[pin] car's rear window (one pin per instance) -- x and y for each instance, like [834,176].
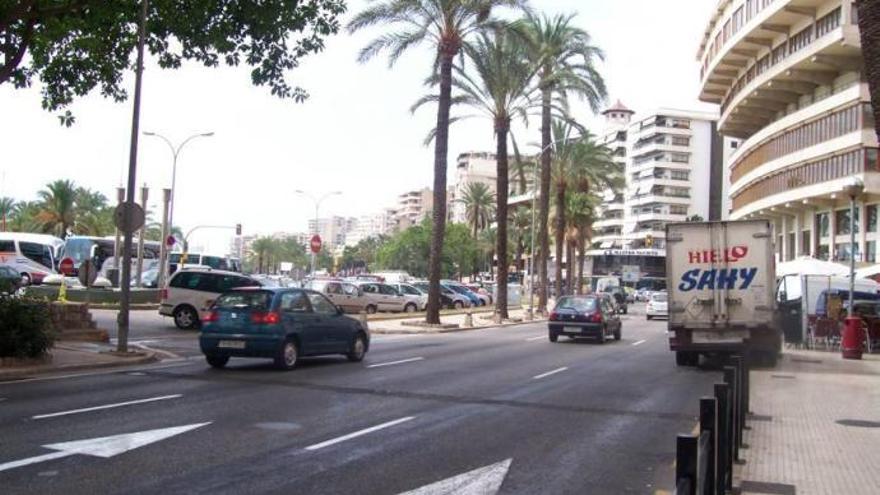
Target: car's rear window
[659,297]
[580,304]
[251,299]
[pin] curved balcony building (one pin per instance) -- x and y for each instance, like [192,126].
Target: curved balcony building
[789,80]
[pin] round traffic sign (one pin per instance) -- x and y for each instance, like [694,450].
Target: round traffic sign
[129,217]
[87,273]
[315,244]
[170,240]
[65,266]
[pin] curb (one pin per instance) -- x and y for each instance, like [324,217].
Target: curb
[450,330]
[14,375]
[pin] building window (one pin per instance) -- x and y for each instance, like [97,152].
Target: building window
[872,218]
[806,248]
[822,222]
[871,251]
[843,224]
[679,174]
[681,141]
[678,210]
[822,252]
[844,252]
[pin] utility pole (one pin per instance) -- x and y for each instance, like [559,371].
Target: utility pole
[140,253]
[117,248]
[163,248]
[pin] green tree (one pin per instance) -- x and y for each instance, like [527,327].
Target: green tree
[7,209]
[520,222]
[479,204]
[499,88]
[93,214]
[24,217]
[261,249]
[567,58]
[447,26]
[76,46]
[57,207]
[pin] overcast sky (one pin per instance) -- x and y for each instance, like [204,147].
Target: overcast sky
[355,134]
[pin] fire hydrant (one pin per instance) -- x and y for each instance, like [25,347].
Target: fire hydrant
[853,338]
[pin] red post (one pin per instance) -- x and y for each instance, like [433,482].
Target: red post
[853,338]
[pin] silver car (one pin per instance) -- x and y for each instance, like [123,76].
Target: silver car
[409,290]
[383,297]
[343,294]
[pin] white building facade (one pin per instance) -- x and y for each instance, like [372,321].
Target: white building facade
[474,167]
[789,80]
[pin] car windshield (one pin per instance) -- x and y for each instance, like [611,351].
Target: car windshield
[659,297]
[251,299]
[579,304]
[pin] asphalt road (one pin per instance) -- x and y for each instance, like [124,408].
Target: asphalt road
[572,417]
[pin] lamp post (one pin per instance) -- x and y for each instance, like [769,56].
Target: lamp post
[853,191]
[175,151]
[317,202]
[531,311]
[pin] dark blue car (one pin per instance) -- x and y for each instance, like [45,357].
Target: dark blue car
[279,323]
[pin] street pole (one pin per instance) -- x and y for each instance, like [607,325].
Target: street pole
[163,248]
[125,299]
[854,190]
[140,253]
[317,229]
[531,312]
[317,207]
[120,198]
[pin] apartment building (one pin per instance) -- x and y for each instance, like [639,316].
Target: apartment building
[608,230]
[789,80]
[413,207]
[332,230]
[471,168]
[368,226]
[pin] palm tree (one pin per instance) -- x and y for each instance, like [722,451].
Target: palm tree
[479,204]
[58,207]
[447,26]
[93,215]
[262,248]
[520,220]
[24,217]
[581,209]
[499,88]
[583,163]
[7,207]
[567,59]
[869,27]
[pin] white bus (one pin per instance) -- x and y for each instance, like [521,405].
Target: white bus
[217,262]
[32,255]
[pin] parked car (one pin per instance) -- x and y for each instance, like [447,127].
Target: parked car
[584,316]
[346,295]
[10,280]
[281,324]
[658,305]
[473,298]
[383,297]
[190,293]
[448,297]
[409,290]
[484,295]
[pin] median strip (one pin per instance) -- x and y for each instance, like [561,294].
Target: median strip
[392,363]
[106,406]
[639,342]
[359,433]
[543,375]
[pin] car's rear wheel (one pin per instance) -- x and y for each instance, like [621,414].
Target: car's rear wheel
[371,309]
[410,308]
[553,336]
[216,361]
[648,317]
[186,318]
[457,305]
[288,355]
[358,349]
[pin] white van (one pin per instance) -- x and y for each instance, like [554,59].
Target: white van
[31,255]
[217,262]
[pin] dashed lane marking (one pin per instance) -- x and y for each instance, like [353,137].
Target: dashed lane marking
[392,363]
[639,342]
[553,372]
[365,431]
[107,406]
[539,337]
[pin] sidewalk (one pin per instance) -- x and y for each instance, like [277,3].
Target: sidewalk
[797,444]
[480,320]
[73,356]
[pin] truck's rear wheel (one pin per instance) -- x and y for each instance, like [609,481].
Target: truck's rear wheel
[686,358]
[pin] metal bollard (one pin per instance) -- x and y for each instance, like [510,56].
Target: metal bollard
[724,481]
[709,423]
[363,318]
[730,378]
[468,319]
[686,457]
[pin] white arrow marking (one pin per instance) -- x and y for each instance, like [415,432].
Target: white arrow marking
[391,363]
[543,375]
[359,433]
[106,406]
[105,446]
[482,481]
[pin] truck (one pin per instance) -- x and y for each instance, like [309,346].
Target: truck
[721,281]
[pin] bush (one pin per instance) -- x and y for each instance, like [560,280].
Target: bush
[25,327]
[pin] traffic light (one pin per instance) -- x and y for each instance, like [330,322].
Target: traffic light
[238,229]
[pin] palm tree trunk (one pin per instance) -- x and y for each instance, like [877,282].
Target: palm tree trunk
[560,234]
[544,211]
[569,270]
[502,183]
[520,247]
[441,150]
[869,27]
[582,243]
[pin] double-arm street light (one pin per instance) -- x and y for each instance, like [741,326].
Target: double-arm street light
[317,202]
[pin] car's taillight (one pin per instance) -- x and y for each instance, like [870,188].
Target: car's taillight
[596,317]
[164,294]
[270,318]
[554,315]
[211,317]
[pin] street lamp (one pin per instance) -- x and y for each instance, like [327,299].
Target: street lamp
[175,151]
[853,190]
[531,311]
[317,202]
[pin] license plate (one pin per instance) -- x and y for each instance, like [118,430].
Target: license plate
[732,337]
[571,329]
[231,344]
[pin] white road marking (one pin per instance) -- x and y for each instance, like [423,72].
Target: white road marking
[530,339]
[107,406]
[105,446]
[482,481]
[391,363]
[639,342]
[177,364]
[359,433]
[542,375]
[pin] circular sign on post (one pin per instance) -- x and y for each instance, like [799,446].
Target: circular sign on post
[170,241]
[129,217]
[65,266]
[87,273]
[315,244]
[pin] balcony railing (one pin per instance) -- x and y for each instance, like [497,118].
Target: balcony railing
[732,26]
[815,172]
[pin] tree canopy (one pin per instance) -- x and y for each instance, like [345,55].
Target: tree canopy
[74,46]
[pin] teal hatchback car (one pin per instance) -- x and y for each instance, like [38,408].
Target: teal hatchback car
[279,323]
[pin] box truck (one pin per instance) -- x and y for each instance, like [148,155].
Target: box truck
[722,285]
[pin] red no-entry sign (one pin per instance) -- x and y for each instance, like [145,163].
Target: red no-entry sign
[66,266]
[315,244]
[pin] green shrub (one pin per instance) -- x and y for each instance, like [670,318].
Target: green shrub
[25,327]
